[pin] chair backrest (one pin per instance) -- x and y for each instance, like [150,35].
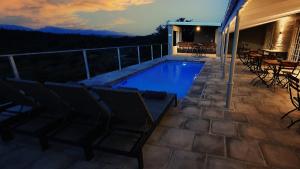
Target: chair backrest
[126,105]
[84,103]
[294,89]
[14,95]
[41,94]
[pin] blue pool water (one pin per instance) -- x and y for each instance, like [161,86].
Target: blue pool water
[170,76]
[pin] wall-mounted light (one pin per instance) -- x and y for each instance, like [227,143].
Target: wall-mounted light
[198,28]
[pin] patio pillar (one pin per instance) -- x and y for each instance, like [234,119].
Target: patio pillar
[222,48]
[226,53]
[170,39]
[232,64]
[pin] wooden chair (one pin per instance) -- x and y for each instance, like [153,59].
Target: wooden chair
[294,91]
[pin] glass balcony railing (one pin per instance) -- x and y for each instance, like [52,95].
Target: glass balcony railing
[75,65]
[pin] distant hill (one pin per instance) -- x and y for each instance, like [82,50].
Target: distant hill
[58,30]
[15,27]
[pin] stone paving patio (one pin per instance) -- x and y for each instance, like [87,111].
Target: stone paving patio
[198,134]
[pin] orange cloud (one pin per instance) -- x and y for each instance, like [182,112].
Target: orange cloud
[116,22]
[62,12]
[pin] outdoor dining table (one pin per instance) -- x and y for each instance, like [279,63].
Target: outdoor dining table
[276,66]
[273,52]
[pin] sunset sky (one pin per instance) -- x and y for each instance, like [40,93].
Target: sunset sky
[136,17]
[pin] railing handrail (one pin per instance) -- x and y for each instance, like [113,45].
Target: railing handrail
[73,50]
[84,55]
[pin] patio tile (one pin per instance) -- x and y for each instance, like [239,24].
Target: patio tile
[209,144]
[53,160]
[188,102]
[157,134]
[191,111]
[252,132]
[197,125]
[156,157]
[7,147]
[219,104]
[280,157]
[173,121]
[226,128]
[218,163]
[257,167]
[177,138]
[86,165]
[205,103]
[185,159]
[239,117]
[213,113]
[268,108]
[20,158]
[286,137]
[245,150]
[264,120]
[245,108]
[111,161]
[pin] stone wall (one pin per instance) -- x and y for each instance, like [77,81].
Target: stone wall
[279,33]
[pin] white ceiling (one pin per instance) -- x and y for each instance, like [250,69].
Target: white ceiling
[258,12]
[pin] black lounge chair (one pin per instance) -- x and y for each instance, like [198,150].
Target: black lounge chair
[19,109]
[294,91]
[53,111]
[89,121]
[134,117]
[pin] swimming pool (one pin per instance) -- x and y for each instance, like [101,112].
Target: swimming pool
[169,76]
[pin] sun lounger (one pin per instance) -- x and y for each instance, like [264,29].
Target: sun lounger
[53,111]
[89,120]
[134,118]
[19,109]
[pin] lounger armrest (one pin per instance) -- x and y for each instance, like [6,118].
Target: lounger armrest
[5,106]
[129,88]
[154,95]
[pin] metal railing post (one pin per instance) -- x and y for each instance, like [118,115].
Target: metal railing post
[86,63]
[152,52]
[14,66]
[161,50]
[119,58]
[139,54]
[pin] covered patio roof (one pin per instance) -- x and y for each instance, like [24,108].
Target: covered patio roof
[254,13]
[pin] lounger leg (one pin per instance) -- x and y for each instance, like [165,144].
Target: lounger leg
[288,113]
[140,160]
[44,143]
[293,123]
[88,153]
[6,135]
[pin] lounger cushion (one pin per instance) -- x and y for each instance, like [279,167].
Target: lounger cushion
[158,106]
[120,140]
[4,117]
[127,106]
[35,125]
[19,109]
[72,133]
[85,105]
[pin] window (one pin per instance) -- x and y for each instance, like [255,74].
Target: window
[295,45]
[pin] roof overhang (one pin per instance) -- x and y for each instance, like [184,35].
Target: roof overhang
[258,12]
[193,23]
